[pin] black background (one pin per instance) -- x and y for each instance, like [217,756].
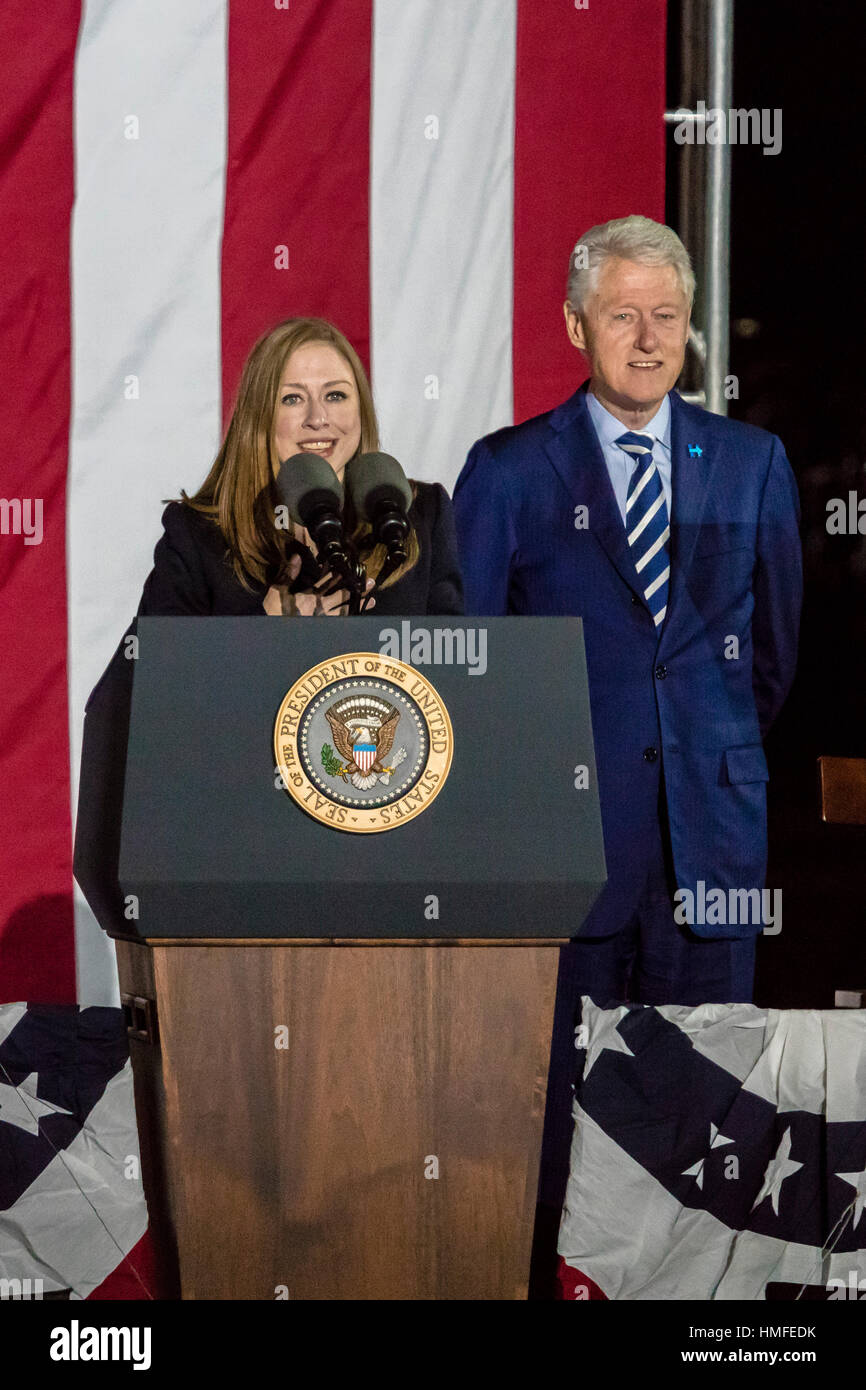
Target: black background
[797,267]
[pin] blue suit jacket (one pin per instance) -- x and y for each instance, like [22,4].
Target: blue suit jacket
[703,691]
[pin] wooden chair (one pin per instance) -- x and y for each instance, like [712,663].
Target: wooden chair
[843,802]
[843,790]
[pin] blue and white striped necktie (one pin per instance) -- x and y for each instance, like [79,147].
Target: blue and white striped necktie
[646,523]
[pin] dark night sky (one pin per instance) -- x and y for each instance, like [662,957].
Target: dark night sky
[797,266]
[808,59]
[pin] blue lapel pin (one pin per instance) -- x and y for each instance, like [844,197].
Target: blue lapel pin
[695,450]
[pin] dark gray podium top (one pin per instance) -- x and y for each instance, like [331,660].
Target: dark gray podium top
[214,846]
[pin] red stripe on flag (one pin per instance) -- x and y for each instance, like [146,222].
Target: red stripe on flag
[574,1287]
[589,146]
[37,54]
[135,1277]
[297,173]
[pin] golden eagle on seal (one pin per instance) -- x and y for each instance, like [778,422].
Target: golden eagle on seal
[363,728]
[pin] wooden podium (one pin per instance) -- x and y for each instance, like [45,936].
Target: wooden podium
[340,1090]
[387,1148]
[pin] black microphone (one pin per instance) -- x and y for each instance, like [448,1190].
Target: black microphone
[381,495]
[309,489]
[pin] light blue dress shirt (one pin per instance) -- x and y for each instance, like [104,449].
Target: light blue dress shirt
[621,465]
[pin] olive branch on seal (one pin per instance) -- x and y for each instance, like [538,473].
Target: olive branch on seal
[331,763]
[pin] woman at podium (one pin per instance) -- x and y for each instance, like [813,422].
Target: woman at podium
[304,391]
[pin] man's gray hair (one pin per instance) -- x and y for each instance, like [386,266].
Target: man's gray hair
[632,239]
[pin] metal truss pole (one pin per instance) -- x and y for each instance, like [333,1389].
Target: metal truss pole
[718,228]
[707,28]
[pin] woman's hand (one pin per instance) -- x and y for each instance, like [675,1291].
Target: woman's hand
[312,603]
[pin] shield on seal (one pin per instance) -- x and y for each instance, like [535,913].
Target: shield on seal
[364,755]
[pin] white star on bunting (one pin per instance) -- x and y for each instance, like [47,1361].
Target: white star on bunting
[858,1181]
[608,1038]
[778,1169]
[20,1105]
[717,1139]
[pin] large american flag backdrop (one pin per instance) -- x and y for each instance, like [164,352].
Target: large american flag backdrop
[176,178]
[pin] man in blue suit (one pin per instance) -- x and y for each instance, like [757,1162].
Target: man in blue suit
[673,534]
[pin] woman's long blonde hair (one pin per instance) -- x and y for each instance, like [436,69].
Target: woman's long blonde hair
[238,493]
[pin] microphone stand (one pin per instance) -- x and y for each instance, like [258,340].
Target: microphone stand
[349,573]
[356,588]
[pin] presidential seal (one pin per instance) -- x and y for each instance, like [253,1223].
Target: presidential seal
[363,742]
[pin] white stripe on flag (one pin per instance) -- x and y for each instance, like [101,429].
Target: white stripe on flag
[441,214]
[150,114]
